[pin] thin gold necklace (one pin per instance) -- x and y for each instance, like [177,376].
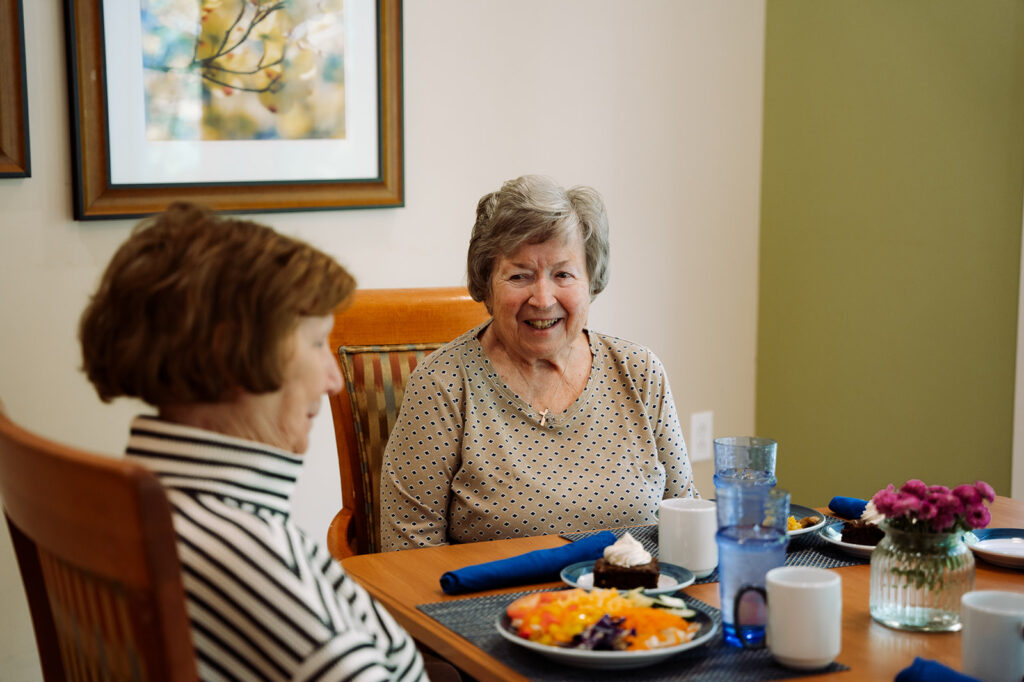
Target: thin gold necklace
[561,380]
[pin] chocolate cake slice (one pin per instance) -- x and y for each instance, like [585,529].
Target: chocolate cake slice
[862,533]
[607,574]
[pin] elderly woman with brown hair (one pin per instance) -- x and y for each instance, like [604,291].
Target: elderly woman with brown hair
[533,423]
[221,324]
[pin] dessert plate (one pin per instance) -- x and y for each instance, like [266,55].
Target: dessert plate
[620,660]
[1000,546]
[800,511]
[833,534]
[670,578]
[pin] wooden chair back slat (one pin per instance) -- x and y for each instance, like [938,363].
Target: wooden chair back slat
[379,339]
[97,555]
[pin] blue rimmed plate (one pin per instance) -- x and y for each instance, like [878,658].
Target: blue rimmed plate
[670,579]
[799,511]
[611,660]
[1000,546]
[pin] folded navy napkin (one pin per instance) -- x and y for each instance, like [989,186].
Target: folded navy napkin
[848,507]
[542,565]
[925,670]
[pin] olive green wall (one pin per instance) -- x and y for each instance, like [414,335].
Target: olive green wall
[890,241]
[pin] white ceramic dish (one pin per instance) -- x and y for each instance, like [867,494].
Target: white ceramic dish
[800,511]
[610,660]
[833,535]
[1000,546]
[671,578]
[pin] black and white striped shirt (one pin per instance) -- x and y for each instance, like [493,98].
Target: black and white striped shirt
[264,602]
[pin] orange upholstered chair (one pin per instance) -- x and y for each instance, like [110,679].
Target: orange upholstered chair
[97,554]
[379,339]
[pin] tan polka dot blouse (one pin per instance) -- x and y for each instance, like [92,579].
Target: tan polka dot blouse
[469,460]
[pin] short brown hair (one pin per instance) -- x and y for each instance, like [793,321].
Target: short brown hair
[193,305]
[530,210]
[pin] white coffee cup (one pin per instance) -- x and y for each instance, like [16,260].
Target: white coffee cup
[992,640]
[686,534]
[805,616]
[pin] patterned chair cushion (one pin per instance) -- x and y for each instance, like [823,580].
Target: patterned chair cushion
[375,379]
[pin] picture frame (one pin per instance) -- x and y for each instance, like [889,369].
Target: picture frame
[15,159]
[118,169]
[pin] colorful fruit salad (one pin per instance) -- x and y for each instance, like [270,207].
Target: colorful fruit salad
[602,619]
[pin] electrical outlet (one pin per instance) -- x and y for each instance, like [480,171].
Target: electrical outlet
[702,430]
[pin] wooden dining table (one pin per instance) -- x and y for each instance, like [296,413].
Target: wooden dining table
[402,580]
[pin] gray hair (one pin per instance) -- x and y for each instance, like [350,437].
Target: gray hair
[531,210]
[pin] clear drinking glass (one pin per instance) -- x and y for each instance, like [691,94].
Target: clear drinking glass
[751,541]
[745,460]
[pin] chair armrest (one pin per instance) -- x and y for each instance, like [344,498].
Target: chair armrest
[341,535]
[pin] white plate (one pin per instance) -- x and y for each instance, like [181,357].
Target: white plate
[1000,546]
[800,511]
[620,660]
[670,578]
[833,534]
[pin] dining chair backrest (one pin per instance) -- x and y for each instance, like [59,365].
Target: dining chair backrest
[379,338]
[98,560]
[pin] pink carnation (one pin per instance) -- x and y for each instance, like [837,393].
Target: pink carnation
[968,494]
[978,517]
[928,511]
[906,504]
[943,521]
[985,490]
[914,487]
[947,502]
[884,500]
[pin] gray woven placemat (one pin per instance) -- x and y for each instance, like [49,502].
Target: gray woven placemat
[476,618]
[804,550]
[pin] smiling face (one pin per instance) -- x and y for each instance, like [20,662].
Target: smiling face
[284,417]
[540,298]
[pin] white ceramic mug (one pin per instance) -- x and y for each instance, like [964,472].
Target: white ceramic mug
[993,635]
[686,534]
[805,614]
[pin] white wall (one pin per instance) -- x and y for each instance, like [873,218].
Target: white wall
[656,103]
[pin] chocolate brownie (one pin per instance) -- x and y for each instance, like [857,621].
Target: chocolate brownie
[625,577]
[861,533]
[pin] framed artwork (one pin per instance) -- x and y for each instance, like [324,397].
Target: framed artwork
[14,146]
[241,105]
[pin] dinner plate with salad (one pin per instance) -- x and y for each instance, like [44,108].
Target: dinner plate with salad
[604,628]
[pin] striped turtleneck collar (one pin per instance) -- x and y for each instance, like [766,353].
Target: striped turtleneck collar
[199,461]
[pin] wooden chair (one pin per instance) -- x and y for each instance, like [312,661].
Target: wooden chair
[379,339]
[97,554]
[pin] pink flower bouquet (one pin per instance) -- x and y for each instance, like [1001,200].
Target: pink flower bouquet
[935,508]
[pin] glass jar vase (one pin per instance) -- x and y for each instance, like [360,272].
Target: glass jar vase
[917,579]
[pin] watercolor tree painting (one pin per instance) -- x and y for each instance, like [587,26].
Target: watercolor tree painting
[243,69]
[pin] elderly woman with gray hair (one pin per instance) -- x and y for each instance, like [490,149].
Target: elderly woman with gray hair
[533,423]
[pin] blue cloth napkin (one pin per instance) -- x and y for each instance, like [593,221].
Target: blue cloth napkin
[538,566]
[925,670]
[848,507]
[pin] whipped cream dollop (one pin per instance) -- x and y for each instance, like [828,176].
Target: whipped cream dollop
[627,551]
[870,514]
